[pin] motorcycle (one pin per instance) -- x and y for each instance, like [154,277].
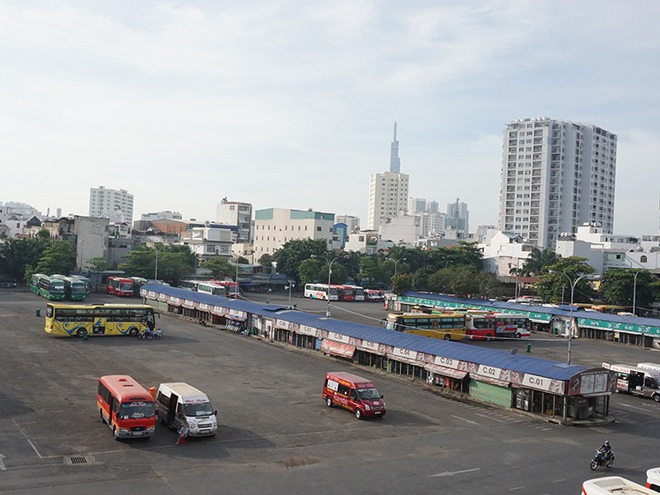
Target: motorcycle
[602,459]
[146,335]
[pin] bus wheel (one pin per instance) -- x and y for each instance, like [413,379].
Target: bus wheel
[114,433]
[328,402]
[133,332]
[82,333]
[489,337]
[101,414]
[447,337]
[518,335]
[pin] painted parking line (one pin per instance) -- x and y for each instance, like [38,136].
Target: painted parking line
[452,473]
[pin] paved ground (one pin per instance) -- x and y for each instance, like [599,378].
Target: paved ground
[276,435]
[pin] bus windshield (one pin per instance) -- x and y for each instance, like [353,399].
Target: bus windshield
[201,409]
[137,410]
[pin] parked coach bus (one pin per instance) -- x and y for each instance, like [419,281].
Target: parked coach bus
[120,286]
[489,326]
[126,407]
[322,291]
[445,326]
[75,288]
[77,320]
[47,287]
[345,292]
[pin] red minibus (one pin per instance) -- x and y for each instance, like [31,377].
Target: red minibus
[120,286]
[126,407]
[358,395]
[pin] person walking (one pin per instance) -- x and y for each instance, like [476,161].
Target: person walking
[182,434]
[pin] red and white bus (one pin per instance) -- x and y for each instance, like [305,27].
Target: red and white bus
[359,292]
[489,326]
[120,286]
[322,291]
[126,407]
[345,292]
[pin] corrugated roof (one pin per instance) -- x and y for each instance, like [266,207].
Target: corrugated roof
[454,350]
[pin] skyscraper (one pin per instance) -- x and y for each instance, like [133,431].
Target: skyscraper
[395,161]
[555,176]
[117,205]
[388,191]
[458,218]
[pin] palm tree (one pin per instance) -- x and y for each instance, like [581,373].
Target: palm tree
[537,260]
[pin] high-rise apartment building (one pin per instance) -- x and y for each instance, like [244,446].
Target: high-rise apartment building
[556,176]
[458,218]
[117,205]
[238,214]
[388,192]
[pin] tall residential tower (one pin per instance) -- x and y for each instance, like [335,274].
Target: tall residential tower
[388,191]
[556,176]
[117,205]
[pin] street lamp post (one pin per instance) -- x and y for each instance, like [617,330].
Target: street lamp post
[330,262]
[634,291]
[572,284]
[156,266]
[396,263]
[291,285]
[82,244]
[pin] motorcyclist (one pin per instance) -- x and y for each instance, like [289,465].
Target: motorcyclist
[606,449]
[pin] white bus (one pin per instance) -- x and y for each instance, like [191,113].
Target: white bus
[653,479]
[322,291]
[614,484]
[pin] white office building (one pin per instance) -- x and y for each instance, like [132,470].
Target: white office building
[273,227]
[236,214]
[556,176]
[117,205]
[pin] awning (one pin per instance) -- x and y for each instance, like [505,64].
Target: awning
[337,348]
[235,317]
[492,381]
[441,370]
[401,359]
[188,304]
[174,301]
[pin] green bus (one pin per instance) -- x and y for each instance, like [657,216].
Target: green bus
[47,287]
[75,288]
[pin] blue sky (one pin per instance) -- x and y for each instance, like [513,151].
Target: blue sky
[291,104]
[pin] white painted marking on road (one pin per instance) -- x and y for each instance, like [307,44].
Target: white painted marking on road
[2,463]
[466,420]
[491,417]
[452,473]
[515,488]
[634,407]
[34,448]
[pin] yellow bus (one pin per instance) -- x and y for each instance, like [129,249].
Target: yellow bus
[445,326]
[78,320]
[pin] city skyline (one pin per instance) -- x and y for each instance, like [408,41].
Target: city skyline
[291,106]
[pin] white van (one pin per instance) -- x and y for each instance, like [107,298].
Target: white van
[178,403]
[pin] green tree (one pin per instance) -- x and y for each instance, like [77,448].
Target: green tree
[618,285]
[266,260]
[537,260]
[58,257]
[20,256]
[401,284]
[219,267]
[289,257]
[170,263]
[98,264]
[556,281]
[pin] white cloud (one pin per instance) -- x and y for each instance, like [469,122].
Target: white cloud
[291,104]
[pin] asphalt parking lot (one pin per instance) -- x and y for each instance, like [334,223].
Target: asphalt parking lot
[276,435]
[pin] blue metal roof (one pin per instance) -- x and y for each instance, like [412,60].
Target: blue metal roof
[564,311]
[454,350]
